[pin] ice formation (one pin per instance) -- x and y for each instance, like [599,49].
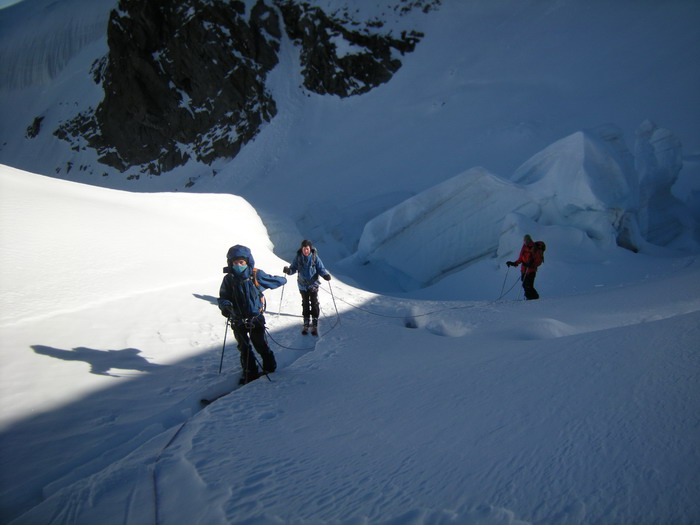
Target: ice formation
[588,183]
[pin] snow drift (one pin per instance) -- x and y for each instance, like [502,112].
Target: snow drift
[121,231]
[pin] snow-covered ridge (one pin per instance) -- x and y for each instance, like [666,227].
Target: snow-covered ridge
[101,225]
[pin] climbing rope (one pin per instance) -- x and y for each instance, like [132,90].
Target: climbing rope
[517,279]
[333,327]
[388,316]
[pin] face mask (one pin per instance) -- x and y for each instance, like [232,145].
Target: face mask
[238,268]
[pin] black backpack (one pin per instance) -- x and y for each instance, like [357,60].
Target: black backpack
[538,253]
[248,298]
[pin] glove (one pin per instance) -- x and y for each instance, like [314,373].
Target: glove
[510,263]
[226,308]
[327,277]
[286,271]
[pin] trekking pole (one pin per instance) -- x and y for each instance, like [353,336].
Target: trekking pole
[221,364]
[281,297]
[335,305]
[504,282]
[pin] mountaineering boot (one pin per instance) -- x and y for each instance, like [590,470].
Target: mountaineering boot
[248,366]
[314,328]
[248,376]
[305,330]
[269,363]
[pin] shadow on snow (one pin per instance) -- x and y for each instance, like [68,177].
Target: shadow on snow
[101,361]
[48,451]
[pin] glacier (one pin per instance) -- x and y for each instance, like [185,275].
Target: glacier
[443,229]
[587,190]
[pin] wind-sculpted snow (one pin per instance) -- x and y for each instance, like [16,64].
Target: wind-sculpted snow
[587,182]
[114,215]
[443,229]
[581,173]
[591,181]
[58,31]
[662,217]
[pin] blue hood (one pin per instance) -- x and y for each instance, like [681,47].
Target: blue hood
[238,251]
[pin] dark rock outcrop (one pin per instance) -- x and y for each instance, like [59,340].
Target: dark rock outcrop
[34,129]
[325,70]
[186,79]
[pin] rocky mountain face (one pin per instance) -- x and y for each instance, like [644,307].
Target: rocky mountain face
[187,79]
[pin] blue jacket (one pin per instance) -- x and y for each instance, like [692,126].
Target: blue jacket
[310,268]
[239,288]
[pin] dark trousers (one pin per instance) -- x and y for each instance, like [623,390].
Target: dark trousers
[249,335]
[528,280]
[309,304]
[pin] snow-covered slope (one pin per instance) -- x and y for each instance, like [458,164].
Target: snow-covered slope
[40,37]
[490,85]
[103,282]
[450,402]
[574,409]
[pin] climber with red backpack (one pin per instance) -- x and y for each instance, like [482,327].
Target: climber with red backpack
[531,257]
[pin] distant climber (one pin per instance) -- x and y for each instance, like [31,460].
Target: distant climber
[531,257]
